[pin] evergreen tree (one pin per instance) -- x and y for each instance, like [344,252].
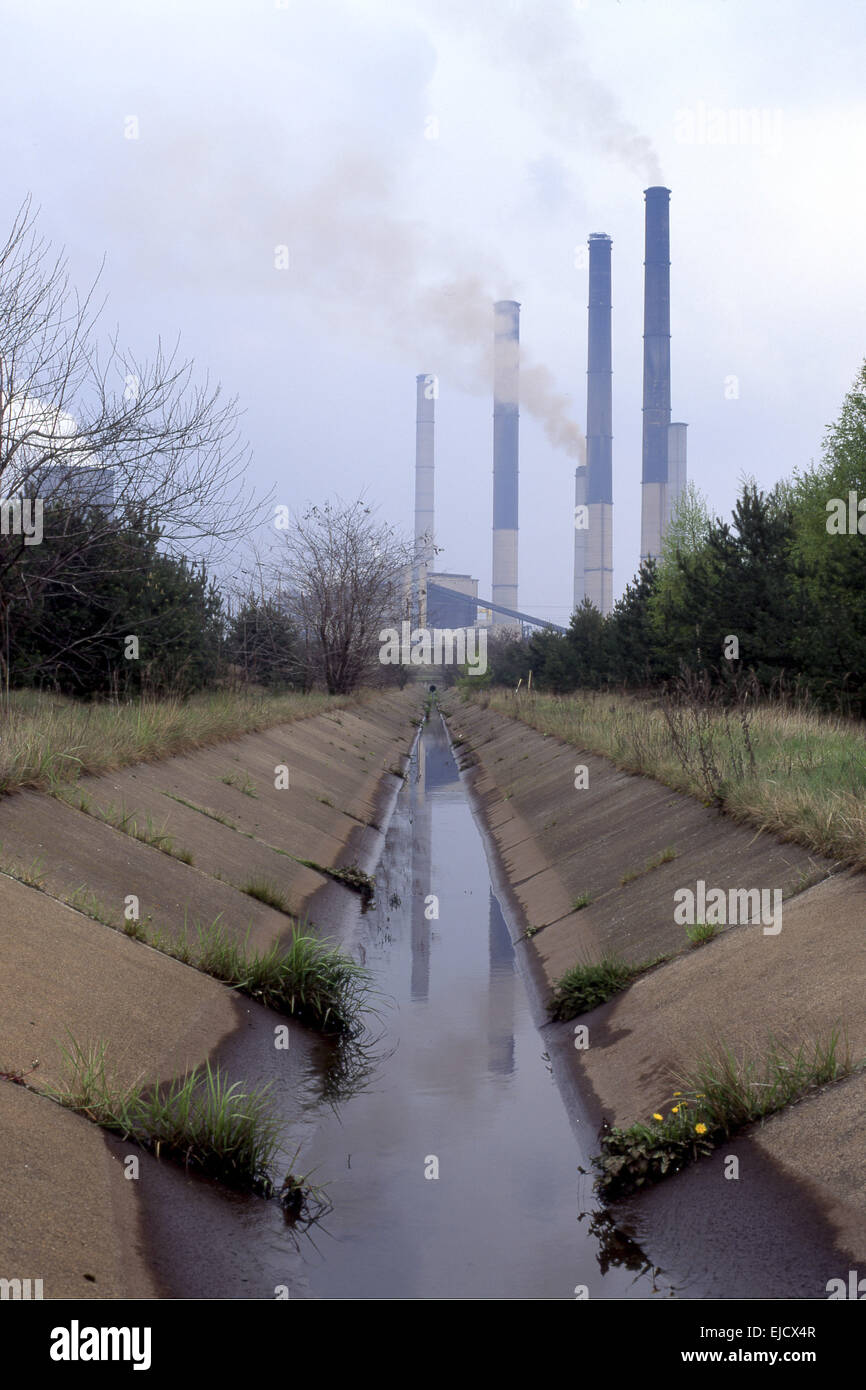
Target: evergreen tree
[829,564]
[633,655]
[70,607]
[262,643]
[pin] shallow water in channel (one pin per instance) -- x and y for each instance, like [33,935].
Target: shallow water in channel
[461,1087]
[446,1153]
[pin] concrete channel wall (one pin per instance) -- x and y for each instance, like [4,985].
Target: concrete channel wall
[556,843]
[70,1216]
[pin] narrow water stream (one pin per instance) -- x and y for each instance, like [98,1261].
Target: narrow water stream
[453,1171]
[463,1090]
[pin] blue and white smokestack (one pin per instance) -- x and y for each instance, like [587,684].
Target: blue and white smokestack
[598,562]
[506,368]
[656,371]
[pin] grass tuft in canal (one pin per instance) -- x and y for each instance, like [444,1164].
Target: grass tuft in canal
[667,856]
[200,1119]
[309,979]
[124,821]
[720,1096]
[701,933]
[591,983]
[264,891]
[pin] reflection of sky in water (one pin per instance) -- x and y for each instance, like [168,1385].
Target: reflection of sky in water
[466,1083]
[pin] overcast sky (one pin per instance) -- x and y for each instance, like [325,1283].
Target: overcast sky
[419,160]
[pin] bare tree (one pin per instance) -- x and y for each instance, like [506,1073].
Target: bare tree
[342,576]
[84,423]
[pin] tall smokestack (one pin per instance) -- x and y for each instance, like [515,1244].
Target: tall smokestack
[506,353]
[656,370]
[581,527]
[426,390]
[599,429]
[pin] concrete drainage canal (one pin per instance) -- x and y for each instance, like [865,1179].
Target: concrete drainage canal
[448,1164]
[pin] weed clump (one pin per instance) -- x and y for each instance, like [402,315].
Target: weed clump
[701,933]
[666,857]
[589,984]
[265,892]
[722,1095]
[309,979]
[199,1119]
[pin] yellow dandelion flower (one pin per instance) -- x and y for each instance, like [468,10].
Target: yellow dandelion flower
[677,1093]
[658,1117]
[676,1110]
[700,1129]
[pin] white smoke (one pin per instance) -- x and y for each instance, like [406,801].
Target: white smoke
[220,196]
[378,269]
[542,45]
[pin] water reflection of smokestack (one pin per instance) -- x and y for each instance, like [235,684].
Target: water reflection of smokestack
[500,995]
[421,873]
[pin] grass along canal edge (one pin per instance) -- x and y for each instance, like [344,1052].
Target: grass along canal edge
[787,769]
[50,739]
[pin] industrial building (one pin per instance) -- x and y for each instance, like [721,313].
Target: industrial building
[90,485]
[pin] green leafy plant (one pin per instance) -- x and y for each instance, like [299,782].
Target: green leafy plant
[722,1095]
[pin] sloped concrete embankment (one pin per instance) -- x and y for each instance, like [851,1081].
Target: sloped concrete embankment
[70,1216]
[803,1217]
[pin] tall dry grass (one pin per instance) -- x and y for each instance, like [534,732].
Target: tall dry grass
[791,770]
[46,739]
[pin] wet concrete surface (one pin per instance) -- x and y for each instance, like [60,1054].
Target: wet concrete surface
[452,1167]
[759,1235]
